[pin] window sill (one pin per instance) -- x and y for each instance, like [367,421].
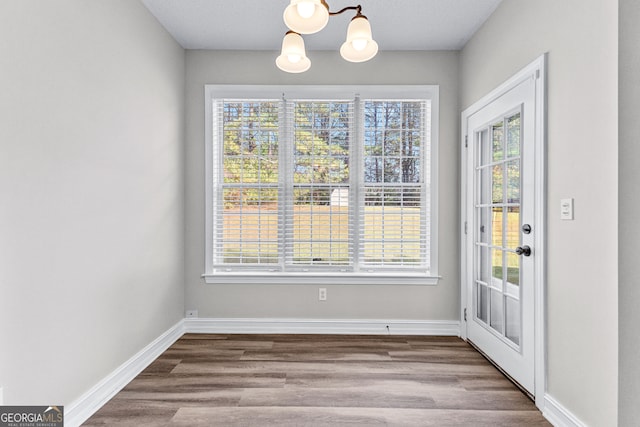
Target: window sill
[319,279]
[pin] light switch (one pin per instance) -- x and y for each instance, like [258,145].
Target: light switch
[566,209]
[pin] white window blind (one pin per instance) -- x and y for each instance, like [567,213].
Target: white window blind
[395,230]
[313,185]
[319,228]
[246,210]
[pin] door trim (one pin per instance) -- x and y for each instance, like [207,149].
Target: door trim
[536,69]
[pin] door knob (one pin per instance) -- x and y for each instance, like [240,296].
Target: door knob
[523,250]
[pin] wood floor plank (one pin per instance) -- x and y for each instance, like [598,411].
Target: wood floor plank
[349,397]
[161,366]
[445,355]
[311,355]
[341,345]
[329,367]
[124,413]
[206,382]
[319,380]
[332,417]
[368,380]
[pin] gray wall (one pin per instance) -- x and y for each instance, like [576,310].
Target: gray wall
[91,178]
[582,291]
[629,195]
[300,301]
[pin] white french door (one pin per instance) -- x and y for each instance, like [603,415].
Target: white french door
[503,224]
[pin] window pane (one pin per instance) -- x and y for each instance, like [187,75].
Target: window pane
[513,268]
[393,139]
[395,209]
[248,201]
[319,227]
[497,311]
[498,141]
[250,225]
[320,232]
[393,226]
[483,153]
[496,268]
[483,302]
[484,225]
[497,222]
[250,143]
[513,181]
[513,136]
[292,207]
[498,184]
[373,169]
[512,314]
[483,268]
[513,227]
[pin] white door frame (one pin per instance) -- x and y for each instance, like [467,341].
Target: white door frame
[537,70]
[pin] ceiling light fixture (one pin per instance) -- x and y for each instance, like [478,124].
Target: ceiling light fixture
[311,16]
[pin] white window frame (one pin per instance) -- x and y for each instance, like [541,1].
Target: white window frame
[428,92]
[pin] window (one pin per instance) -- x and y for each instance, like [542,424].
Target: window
[308,183]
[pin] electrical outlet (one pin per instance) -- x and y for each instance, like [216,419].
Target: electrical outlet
[322,294]
[191,313]
[566,209]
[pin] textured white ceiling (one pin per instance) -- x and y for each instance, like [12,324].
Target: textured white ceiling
[258,24]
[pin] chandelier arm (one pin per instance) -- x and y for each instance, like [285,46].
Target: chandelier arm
[358,8]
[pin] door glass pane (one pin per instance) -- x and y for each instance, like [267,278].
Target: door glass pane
[496,263]
[512,331]
[497,311]
[497,221]
[513,227]
[484,225]
[513,268]
[497,131]
[513,181]
[498,184]
[484,185]
[483,302]
[483,268]
[513,135]
[484,150]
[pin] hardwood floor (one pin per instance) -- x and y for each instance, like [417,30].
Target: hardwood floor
[319,380]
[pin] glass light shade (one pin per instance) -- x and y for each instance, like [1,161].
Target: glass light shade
[306,16]
[360,45]
[293,58]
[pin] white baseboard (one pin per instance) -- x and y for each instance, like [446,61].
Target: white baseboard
[558,415]
[322,326]
[80,410]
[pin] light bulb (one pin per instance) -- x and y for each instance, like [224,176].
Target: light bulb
[294,58]
[306,16]
[306,9]
[359,44]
